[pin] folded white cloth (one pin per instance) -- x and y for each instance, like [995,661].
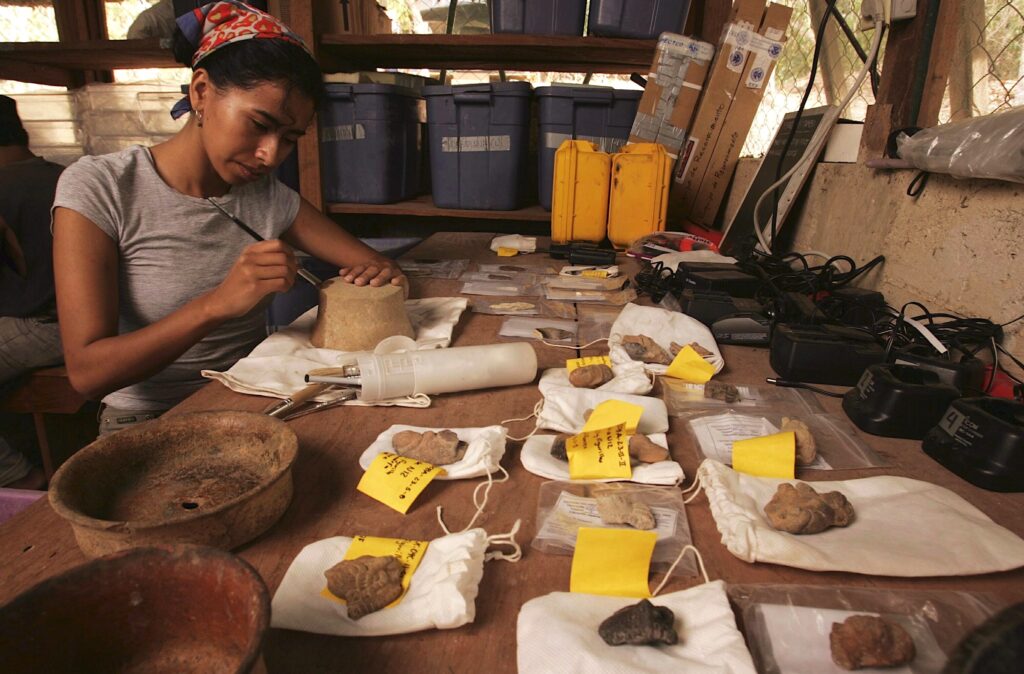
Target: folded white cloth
[557,634]
[442,592]
[485,447]
[524,244]
[278,365]
[902,527]
[564,408]
[629,378]
[672,260]
[664,327]
[536,458]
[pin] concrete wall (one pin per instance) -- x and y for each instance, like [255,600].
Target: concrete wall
[958,247]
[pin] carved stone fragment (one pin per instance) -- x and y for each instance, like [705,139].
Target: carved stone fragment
[645,451]
[641,623]
[367,584]
[806,448]
[645,349]
[591,376]
[721,391]
[868,641]
[558,447]
[617,509]
[801,510]
[439,449]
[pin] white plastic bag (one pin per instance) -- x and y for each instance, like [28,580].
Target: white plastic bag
[902,527]
[536,458]
[664,327]
[629,378]
[483,454]
[565,406]
[557,634]
[518,242]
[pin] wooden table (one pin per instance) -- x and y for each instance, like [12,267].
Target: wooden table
[36,544]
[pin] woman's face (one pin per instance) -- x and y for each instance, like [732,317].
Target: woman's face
[248,132]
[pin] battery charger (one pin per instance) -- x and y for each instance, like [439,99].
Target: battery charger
[822,354]
[898,401]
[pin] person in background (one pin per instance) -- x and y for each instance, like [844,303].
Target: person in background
[154,283]
[29,336]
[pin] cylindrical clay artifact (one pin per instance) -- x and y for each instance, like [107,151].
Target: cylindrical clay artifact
[357,318]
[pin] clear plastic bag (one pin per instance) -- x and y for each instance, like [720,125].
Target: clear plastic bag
[787,626]
[596,321]
[523,278]
[558,330]
[516,307]
[839,446]
[564,507]
[684,399]
[981,147]
[499,289]
[584,283]
[426,268]
[616,297]
[519,266]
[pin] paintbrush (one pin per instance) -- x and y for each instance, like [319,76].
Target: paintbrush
[309,276]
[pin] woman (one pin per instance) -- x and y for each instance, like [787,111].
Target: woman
[154,283]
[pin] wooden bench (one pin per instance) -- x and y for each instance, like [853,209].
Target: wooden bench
[64,420]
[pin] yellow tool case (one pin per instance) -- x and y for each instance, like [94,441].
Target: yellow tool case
[579,198]
[639,192]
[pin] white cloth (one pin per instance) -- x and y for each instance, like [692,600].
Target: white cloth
[564,407]
[536,458]
[557,634]
[278,365]
[902,527]
[672,260]
[629,378]
[664,327]
[442,592]
[485,447]
[524,244]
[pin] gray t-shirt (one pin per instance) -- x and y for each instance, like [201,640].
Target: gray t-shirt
[172,248]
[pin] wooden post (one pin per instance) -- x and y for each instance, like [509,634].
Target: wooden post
[78,21]
[708,19]
[941,60]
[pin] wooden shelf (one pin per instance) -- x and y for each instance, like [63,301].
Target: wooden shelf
[339,53]
[423,206]
[57,62]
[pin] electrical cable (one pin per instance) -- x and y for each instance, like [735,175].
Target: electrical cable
[786,383]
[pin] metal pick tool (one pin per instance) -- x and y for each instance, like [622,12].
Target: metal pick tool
[346,395]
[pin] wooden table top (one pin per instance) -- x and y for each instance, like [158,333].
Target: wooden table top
[37,544]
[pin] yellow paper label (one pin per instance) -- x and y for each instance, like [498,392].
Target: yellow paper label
[594,273]
[767,456]
[612,562]
[409,553]
[599,454]
[396,481]
[688,365]
[507,252]
[612,413]
[576,363]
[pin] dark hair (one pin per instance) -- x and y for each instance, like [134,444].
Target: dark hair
[249,63]
[11,130]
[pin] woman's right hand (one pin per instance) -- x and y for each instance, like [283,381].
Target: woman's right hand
[264,267]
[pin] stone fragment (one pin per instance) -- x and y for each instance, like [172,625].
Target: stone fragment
[868,641]
[591,376]
[367,584]
[356,318]
[674,348]
[617,509]
[558,447]
[645,349]
[721,391]
[641,623]
[806,448]
[439,449]
[513,306]
[643,450]
[801,510]
[556,334]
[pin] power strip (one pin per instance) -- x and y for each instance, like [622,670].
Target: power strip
[886,11]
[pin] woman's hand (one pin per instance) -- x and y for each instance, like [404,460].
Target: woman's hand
[262,268]
[374,274]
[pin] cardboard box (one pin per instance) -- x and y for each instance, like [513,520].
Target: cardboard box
[674,85]
[726,71]
[765,49]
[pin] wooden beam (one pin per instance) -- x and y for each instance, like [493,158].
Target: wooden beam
[940,62]
[79,21]
[713,15]
[23,71]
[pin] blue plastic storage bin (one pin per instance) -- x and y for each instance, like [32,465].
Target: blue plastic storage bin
[538,17]
[479,138]
[602,115]
[645,19]
[370,141]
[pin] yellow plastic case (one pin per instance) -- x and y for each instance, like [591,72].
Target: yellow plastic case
[639,192]
[579,195]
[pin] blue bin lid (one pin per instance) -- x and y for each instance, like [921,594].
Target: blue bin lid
[338,89]
[589,92]
[493,88]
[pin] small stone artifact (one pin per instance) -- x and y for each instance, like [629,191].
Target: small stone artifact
[721,391]
[674,348]
[591,376]
[643,450]
[557,334]
[367,584]
[868,641]
[641,623]
[645,349]
[616,509]
[558,447]
[513,306]
[806,449]
[438,449]
[801,510]
[357,318]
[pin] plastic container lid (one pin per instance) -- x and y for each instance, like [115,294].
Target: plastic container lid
[340,89]
[494,88]
[589,91]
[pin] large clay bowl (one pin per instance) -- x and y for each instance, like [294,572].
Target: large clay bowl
[179,609]
[208,478]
